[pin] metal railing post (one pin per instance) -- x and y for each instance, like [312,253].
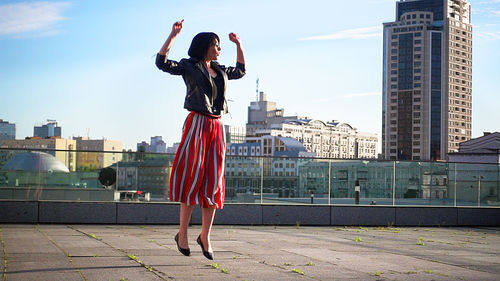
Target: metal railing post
[394,183]
[455,186]
[261,179]
[329,181]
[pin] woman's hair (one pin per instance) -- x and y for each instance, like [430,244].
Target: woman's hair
[200,44]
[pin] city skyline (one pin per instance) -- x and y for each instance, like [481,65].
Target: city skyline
[90,65]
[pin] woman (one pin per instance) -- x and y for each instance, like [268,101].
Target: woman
[197,176]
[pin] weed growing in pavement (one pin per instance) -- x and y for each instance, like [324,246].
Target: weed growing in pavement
[298,271]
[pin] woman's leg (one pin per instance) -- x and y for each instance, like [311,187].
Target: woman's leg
[207,219]
[184,218]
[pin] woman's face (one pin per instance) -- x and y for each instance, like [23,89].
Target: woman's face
[213,51]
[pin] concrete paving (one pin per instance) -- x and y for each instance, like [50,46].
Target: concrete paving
[131,252]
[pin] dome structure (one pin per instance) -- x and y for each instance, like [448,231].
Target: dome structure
[35,161]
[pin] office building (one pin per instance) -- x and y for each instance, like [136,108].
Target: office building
[48,130]
[235,134]
[7,130]
[427,79]
[157,145]
[100,153]
[263,113]
[331,139]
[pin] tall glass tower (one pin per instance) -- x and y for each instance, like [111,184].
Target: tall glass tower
[427,79]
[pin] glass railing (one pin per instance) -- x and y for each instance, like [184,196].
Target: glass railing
[144,177]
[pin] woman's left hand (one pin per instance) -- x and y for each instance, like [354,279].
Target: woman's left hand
[234,38]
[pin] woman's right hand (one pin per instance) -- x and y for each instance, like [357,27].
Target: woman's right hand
[176,28]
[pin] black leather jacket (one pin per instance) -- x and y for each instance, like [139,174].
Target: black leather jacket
[199,82]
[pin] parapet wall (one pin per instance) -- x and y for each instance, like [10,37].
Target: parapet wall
[246,214]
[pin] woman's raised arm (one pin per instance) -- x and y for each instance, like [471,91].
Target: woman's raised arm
[176,29]
[240,56]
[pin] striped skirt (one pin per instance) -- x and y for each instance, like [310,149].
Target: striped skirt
[198,170]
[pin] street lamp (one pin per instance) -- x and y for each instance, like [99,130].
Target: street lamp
[478,189]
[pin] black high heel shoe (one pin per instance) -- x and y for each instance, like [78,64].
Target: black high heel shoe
[184,251]
[207,254]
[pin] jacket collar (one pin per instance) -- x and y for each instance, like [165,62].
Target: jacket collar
[200,65]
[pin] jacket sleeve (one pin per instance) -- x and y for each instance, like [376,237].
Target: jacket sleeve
[234,72]
[169,66]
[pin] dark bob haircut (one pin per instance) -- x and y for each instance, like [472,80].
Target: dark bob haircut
[200,44]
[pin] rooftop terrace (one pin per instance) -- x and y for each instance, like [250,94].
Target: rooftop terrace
[124,252]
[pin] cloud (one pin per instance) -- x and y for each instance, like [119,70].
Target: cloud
[355,95]
[348,96]
[489,35]
[39,18]
[357,33]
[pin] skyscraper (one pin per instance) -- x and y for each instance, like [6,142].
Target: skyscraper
[427,79]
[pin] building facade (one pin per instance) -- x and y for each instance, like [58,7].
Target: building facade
[325,139]
[48,130]
[235,134]
[484,149]
[148,176]
[427,79]
[263,113]
[101,153]
[65,148]
[7,130]
[157,145]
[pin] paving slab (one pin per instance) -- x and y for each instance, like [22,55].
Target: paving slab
[55,269]
[132,252]
[113,268]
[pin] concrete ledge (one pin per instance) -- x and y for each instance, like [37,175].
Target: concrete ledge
[77,212]
[147,213]
[374,215]
[295,214]
[426,216]
[244,214]
[239,215]
[478,217]
[18,212]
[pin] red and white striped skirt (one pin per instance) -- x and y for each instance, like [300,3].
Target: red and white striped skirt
[198,170]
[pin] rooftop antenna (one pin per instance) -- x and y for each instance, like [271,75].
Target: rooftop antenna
[257,89]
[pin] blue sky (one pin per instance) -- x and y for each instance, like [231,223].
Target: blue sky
[90,64]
